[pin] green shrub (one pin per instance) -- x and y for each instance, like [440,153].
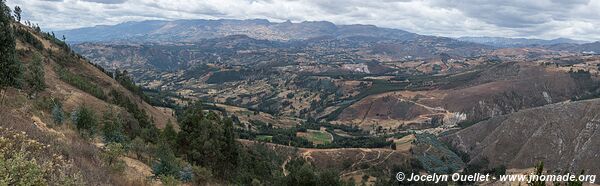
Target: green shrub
[25,161]
[112,154]
[201,175]
[170,180]
[112,128]
[168,164]
[57,113]
[85,121]
[18,170]
[35,75]
[138,147]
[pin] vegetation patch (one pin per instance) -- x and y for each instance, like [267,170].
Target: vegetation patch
[265,138]
[434,156]
[25,161]
[82,83]
[317,137]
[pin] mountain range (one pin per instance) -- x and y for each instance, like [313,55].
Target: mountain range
[518,42]
[196,30]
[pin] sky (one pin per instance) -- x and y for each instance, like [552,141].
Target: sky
[543,19]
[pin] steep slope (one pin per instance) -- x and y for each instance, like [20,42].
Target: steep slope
[72,82]
[566,136]
[500,89]
[57,58]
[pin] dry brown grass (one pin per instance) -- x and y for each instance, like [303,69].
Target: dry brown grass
[64,141]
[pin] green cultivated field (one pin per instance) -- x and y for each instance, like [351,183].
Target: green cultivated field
[265,138]
[317,137]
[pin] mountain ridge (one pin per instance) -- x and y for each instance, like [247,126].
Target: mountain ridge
[194,29]
[518,42]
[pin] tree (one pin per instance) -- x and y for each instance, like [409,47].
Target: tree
[303,175]
[169,135]
[328,178]
[150,133]
[230,149]
[112,154]
[539,170]
[201,175]
[167,164]
[112,128]
[57,113]
[208,141]
[18,13]
[85,121]
[139,148]
[35,77]
[10,69]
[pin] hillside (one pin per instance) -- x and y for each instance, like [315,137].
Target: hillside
[56,57]
[480,94]
[47,116]
[420,152]
[563,135]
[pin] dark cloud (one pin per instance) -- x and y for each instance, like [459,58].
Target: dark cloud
[577,19]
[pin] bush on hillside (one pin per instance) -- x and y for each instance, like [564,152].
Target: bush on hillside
[35,74]
[85,121]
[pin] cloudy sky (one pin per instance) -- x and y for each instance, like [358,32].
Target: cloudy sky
[546,19]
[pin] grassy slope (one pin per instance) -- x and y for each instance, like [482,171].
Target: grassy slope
[32,115]
[74,96]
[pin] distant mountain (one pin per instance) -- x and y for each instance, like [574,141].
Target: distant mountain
[195,30]
[587,48]
[244,50]
[518,42]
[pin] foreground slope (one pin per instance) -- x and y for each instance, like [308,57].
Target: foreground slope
[417,152]
[55,58]
[31,114]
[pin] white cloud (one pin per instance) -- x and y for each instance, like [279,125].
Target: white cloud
[577,19]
